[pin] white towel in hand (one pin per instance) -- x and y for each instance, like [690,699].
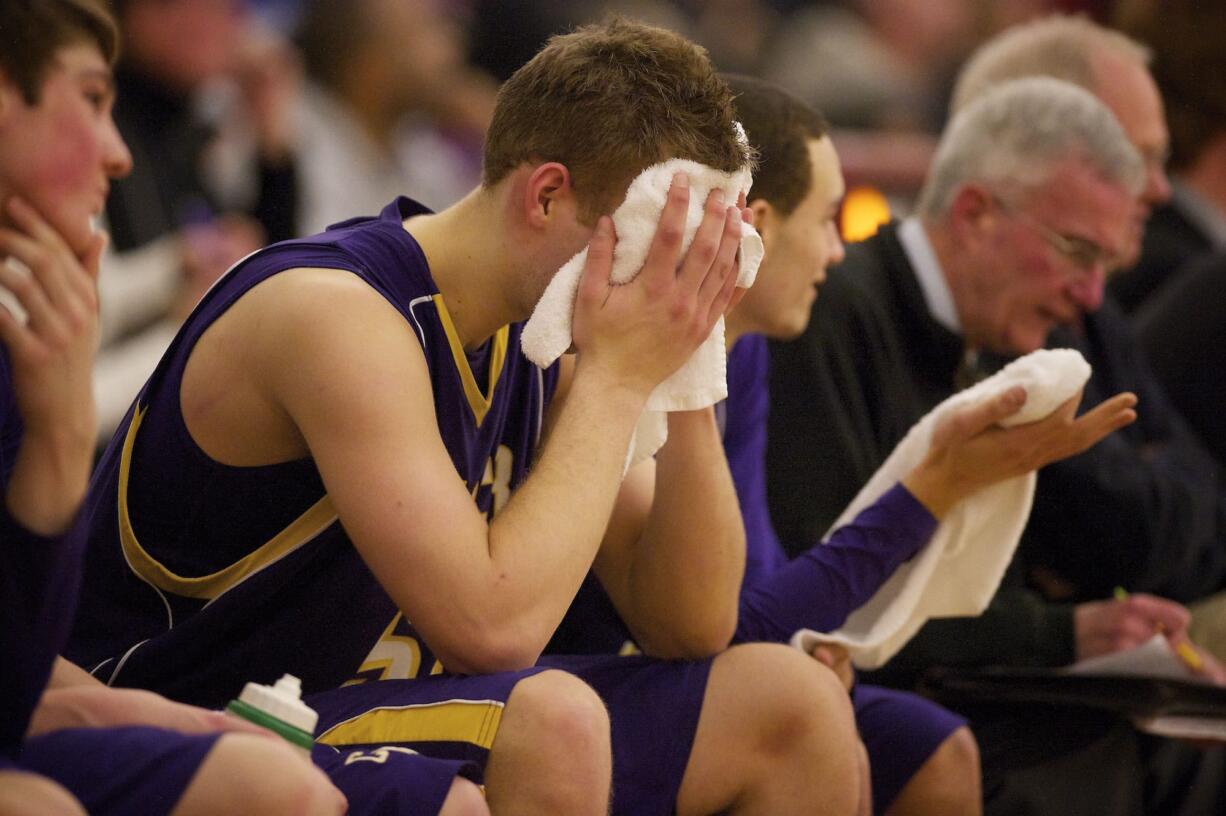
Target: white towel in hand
[958,571]
[702,380]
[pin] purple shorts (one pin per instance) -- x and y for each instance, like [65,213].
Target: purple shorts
[442,716]
[391,780]
[119,770]
[900,731]
[653,708]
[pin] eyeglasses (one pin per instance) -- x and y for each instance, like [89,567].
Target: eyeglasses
[1083,252]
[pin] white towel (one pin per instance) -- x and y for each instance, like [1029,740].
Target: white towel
[702,380]
[958,571]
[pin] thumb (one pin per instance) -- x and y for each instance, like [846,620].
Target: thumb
[979,417]
[92,259]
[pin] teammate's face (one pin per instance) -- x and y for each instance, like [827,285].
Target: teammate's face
[60,153]
[799,248]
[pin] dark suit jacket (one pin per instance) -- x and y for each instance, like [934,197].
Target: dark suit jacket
[1171,240]
[1183,332]
[871,363]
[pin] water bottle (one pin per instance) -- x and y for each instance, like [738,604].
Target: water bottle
[280,709]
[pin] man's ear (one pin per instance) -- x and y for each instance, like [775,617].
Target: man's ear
[9,94]
[765,219]
[548,185]
[972,210]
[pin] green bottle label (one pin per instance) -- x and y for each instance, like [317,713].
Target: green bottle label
[295,735]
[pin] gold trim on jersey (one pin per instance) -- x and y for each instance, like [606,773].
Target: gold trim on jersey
[478,401]
[473,721]
[300,531]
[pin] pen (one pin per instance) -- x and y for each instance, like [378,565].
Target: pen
[1183,649]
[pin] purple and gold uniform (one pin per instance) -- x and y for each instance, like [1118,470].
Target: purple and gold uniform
[818,590]
[822,586]
[201,576]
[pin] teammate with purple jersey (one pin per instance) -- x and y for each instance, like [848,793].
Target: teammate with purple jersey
[267,540]
[902,732]
[58,148]
[923,759]
[317,476]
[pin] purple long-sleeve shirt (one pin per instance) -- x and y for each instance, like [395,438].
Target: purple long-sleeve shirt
[821,587]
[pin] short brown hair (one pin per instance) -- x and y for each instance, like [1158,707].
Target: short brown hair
[607,101]
[32,31]
[1189,67]
[779,127]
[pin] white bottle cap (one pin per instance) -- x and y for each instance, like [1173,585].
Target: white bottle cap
[283,701]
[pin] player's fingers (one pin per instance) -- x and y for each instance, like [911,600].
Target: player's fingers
[661,264]
[1108,416]
[14,336]
[92,259]
[31,222]
[44,250]
[26,285]
[595,282]
[703,255]
[717,288]
[738,293]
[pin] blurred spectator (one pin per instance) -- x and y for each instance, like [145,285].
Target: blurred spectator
[1190,67]
[387,90]
[175,226]
[874,63]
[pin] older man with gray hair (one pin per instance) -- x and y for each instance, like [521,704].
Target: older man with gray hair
[1028,203]
[1146,509]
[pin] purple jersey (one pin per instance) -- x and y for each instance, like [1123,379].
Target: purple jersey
[200,576]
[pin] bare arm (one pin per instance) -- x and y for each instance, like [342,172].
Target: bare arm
[75,699]
[347,371]
[674,555]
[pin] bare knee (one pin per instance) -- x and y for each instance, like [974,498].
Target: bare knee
[27,794]
[949,782]
[464,799]
[798,697]
[958,757]
[552,751]
[560,709]
[258,775]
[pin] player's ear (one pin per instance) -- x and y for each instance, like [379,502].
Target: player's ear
[8,93]
[548,184]
[765,218]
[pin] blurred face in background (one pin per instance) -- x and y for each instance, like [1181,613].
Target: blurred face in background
[419,48]
[799,248]
[1127,88]
[183,43]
